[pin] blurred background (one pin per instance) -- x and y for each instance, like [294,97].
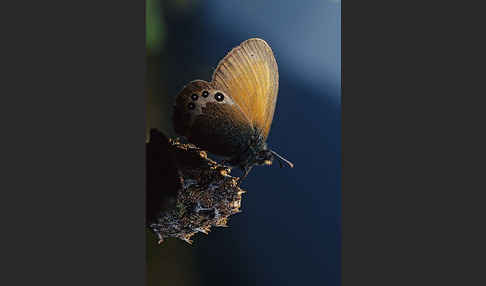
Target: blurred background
[289,231]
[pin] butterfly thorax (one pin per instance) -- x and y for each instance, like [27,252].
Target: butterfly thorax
[256,153]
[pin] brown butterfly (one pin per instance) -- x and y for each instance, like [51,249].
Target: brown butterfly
[231,115]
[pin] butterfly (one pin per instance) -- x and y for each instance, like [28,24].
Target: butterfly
[231,115]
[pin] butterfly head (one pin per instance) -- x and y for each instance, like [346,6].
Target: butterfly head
[259,155]
[264,157]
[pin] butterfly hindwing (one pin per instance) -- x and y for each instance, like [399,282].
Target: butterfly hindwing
[211,119]
[249,74]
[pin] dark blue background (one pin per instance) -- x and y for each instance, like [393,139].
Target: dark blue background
[289,231]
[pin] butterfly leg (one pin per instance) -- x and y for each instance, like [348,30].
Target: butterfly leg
[225,162]
[246,171]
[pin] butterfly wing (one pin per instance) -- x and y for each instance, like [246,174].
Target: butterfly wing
[249,74]
[209,118]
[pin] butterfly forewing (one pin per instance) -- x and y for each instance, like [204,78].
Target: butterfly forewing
[249,74]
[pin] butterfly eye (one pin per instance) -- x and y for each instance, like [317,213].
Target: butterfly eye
[194,96]
[205,93]
[191,105]
[219,96]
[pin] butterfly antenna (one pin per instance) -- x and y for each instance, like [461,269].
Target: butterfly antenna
[282,159]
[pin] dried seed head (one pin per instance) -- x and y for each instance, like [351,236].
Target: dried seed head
[207,195]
